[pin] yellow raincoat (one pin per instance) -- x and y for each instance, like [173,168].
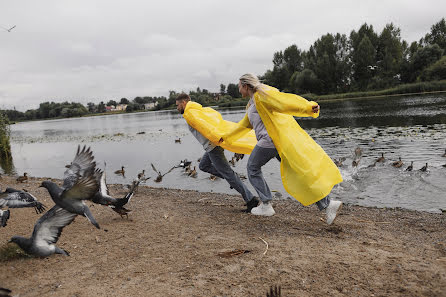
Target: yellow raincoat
[308,173]
[211,125]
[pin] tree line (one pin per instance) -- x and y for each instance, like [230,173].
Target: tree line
[366,60]
[363,61]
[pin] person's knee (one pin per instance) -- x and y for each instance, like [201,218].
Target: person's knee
[253,169]
[203,166]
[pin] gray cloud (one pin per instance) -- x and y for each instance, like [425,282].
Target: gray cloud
[99,50]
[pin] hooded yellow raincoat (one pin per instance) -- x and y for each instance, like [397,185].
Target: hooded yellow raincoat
[308,173]
[211,125]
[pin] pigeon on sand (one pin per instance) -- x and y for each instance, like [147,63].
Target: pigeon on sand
[46,233]
[80,183]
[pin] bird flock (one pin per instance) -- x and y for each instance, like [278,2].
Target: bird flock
[82,181]
[357,155]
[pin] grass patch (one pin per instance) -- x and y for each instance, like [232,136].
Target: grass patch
[11,251]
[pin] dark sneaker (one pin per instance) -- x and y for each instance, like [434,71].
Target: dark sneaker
[251,204]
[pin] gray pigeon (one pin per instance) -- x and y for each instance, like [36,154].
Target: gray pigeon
[80,183]
[4,216]
[13,198]
[46,233]
[103,195]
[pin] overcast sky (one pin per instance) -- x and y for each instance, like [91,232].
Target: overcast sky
[92,51]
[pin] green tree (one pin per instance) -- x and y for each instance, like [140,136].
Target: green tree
[232,90]
[365,63]
[124,101]
[436,71]
[111,102]
[363,54]
[424,57]
[437,35]
[328,58]
[101,107]
[305,82]
[91,107]
[222,89]
[5,146]
[389,57]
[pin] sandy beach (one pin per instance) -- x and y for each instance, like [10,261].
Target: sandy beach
[187,243]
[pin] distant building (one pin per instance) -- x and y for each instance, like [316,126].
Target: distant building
[121,107]
[110,108]
[150,105]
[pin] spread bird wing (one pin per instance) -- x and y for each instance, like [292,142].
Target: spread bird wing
[17,199]
[82,164]
[103,189]
[154,169]
[169,171]
[49,227]
[83,189]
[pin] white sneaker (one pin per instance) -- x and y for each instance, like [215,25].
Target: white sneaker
[332,210]
[264,209]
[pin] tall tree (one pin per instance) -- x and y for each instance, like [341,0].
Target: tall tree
[363,42]
[437,35]
[389,56]
[232,91]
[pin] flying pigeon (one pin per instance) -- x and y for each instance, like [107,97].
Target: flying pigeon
[46,233]
[80,183]
[13,198]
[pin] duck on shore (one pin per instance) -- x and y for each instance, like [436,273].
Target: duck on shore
[23,178]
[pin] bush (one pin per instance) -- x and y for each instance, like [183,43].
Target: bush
[436,71]
[5,146]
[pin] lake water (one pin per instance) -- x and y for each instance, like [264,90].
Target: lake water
[413,128]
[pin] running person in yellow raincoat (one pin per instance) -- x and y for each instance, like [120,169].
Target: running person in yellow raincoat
[204,121]
[308,173]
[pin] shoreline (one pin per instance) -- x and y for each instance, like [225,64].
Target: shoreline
[173,240]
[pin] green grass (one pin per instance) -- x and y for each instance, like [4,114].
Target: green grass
[11,251]
[5,146]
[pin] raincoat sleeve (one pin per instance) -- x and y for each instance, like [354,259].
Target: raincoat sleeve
[243,127]
[286,103]
[201,125]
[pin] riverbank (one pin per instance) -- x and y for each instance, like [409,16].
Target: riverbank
[170,246]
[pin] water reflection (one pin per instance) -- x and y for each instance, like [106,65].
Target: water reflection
[7,165]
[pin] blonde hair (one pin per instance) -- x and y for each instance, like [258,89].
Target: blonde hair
[252,82]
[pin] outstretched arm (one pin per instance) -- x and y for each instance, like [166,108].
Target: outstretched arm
[287,103]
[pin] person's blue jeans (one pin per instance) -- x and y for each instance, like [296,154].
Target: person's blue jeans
[215,162]
[259,157]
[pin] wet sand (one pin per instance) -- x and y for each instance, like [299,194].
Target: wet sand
[171,245]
